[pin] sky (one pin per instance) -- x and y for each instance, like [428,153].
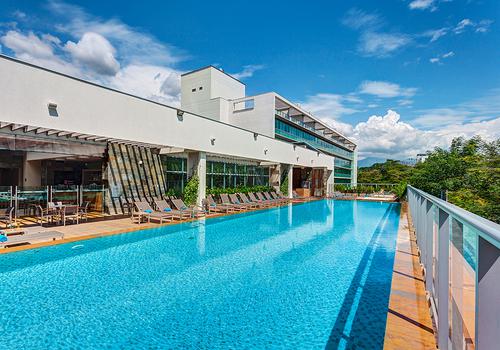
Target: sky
[399,77]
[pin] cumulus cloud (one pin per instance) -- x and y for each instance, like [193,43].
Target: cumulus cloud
[388,137]
[385,89]
[358,19]
[96,52]
[108,52]
[248,71]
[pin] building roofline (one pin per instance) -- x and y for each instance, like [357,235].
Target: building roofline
[212,66]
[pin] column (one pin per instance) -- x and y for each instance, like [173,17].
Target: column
[290,181]
[197,165]
[32,172]
[275,177]
[330,182]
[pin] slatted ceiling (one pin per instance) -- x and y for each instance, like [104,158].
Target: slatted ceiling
[52,132]
[63,133]
[4,125]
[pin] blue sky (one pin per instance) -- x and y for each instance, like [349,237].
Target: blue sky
[398,76]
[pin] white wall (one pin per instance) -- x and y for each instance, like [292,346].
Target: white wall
[89,109]
[260,118]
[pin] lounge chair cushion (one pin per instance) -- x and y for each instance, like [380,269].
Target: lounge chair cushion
[167,209]
[149,211]
[3,238]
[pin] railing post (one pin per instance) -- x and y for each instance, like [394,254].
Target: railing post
[429,233]
[443,278]
[488,296]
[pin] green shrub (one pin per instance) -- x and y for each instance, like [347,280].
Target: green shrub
[191,190]
[284,187]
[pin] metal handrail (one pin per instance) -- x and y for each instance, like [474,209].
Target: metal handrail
[487,229]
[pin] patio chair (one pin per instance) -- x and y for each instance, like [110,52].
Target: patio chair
[212,206]
[194,210]
[245,199]
[235,200]
[145,210]
[84,211]
[70,212]
[163,206]
[280,195]
[7,214]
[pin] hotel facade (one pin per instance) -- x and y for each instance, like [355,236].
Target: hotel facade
[64,133]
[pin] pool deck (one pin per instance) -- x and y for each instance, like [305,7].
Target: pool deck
[409,324]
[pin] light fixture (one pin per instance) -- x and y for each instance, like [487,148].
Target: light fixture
[212,141]
[52,109]
[255,135]
[180,115]
[297,159]
[140,162]
[265,151]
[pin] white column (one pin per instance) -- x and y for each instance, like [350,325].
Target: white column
[197,165]
[330,182]
[290,181]
[275,177]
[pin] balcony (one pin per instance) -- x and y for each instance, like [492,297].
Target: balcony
[320,133]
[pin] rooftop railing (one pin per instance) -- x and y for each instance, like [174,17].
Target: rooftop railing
[460,253]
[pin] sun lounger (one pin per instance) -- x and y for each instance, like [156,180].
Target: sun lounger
[193,210]
[226,201]
[261,196]
[272,197]
[235,200]
[262,202]
[163,207]
[218,208]
[144,209]
[29,238]
[245,199]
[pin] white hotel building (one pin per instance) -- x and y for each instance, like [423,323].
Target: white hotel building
[59,131]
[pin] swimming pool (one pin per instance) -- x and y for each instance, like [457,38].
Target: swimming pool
[312,275]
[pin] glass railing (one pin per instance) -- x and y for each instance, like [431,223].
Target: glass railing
[322,133]
[460,252]
[342,163]
[290,132]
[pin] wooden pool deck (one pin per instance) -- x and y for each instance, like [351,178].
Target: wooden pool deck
[409,324]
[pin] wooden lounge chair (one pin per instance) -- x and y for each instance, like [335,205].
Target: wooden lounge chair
[163,207]
[280,195]
[235,200]
[29,238]
[194,210]
[268,196]
[212,206]
[245,199]
[145,210]
[261,197]
[226,201]
[276,196]
[262,202]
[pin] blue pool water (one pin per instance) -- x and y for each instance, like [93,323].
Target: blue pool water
[308,276]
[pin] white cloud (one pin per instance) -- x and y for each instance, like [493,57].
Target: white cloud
[29,44]
[422,5]
[385,89]
[108,52]
[435,34]
[96,52]
[388,137]
[382,44]
[248,71]
[329,106]
[439,59]
[372,40]
[462,25]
